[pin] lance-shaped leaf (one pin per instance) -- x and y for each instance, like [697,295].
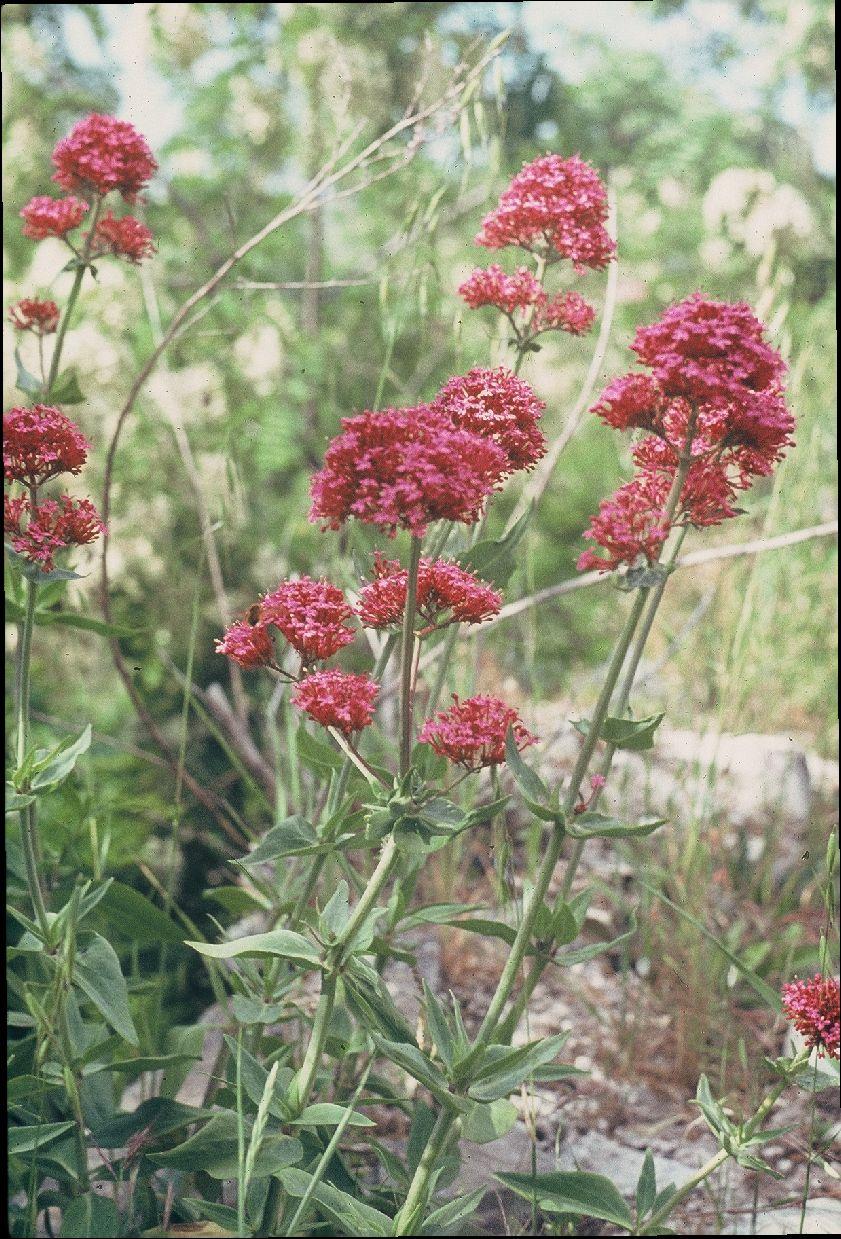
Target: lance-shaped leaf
[503,1069]
[277,943]
[442,1220]
[535,793]
[598,826]
[326,1114]
[56,765]
[294,836]
[579,956]
[489,1120]
[354,1217]
[625,733]
[493,560]
[97,973]
[413,1061]
[575,1192]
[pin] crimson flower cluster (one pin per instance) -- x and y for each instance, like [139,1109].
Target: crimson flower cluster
[715,393]
[39,443]
[556,209]
[813,1008]
[472,733]
[337,699]
[310,615]
[32,314]
[404,468]
[446,594]
[101,155]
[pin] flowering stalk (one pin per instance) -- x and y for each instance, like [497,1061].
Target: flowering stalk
[407,656]
[82,265]
[28,822]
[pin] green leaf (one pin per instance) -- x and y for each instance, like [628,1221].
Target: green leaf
[25,381]
[277,943]
[315,754]
[411,1060]
[66,389]
[534,790]
[503,1069]
[325,1114]
[214,1149]
[70,619]
[494,560]
[127,916]
[15,801]
[335,913]
[90,1217]
[354,1217]
[441,1219]
[576,1192]
[488,1121]
[27,1139]
[372,1004]
[646,1186]
[294,836]
[438,914]
[625,733]
[160,1114]
[97,972]
[597,826]
[823,1075]
[58,764]
[438,1026]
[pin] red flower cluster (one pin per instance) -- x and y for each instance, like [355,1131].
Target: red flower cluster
[521,291]
[248,644]
[497,406]
[491,286]
[567,312]
[444,589]
[713,373]
[40,442]
[124,238]
[31,314]
[311,615]
[472,732]
[52,526]
[402,469]
[102,154]
[709,351]
[629,524]
[556,207]
[813,1008]
[337,699]
[52,217]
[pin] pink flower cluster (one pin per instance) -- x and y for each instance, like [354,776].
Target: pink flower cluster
[310,615]
[713,380]
[446,594]
[123,238]
[556,207]
[99,156]
[338,699]
[51,526]
[472,732]
[52,217]
[102,154]
[40,442]
[32,314]
[813,1008]
[495,405]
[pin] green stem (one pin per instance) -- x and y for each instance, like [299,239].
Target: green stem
[407,651]
[378,879]
[300,1090]
[28,819]
[71,300]
[411,1212]
[633,642]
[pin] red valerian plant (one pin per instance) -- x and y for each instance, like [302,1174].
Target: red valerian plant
[711,415]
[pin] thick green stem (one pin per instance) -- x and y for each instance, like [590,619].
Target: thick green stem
[302,1087]
[28,821]
[378,879]
[407,657]
[412,1210]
